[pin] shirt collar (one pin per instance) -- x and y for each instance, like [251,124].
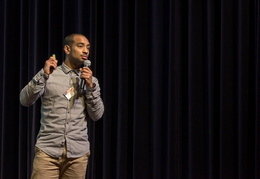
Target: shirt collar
[67,69]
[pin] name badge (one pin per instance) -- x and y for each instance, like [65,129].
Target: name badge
[70,93]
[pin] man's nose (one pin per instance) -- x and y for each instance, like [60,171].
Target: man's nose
[86,50]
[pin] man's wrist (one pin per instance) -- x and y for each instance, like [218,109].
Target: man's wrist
[93,85]
[45,76]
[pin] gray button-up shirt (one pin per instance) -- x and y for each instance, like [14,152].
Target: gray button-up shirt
[63,110]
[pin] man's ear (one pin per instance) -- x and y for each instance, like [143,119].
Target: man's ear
[67,49]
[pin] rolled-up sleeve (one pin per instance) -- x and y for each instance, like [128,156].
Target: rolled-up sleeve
[34,89]
[94,102]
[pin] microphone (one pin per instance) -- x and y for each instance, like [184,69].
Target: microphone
[87,63]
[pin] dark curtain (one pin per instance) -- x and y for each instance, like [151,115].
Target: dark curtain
[180,82]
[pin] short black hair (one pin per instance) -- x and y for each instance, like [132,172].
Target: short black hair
[70,39]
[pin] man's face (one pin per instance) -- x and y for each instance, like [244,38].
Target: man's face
[79,50]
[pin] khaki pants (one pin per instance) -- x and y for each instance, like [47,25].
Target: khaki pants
[47,167]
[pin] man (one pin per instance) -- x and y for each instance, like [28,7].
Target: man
[62,147]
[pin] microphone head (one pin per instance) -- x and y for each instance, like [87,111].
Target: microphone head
[87,63]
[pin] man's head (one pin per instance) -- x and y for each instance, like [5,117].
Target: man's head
[76,48]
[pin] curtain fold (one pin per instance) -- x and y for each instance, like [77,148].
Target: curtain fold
[179,80]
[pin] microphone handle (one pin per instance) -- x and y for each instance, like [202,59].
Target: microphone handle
[87,63]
